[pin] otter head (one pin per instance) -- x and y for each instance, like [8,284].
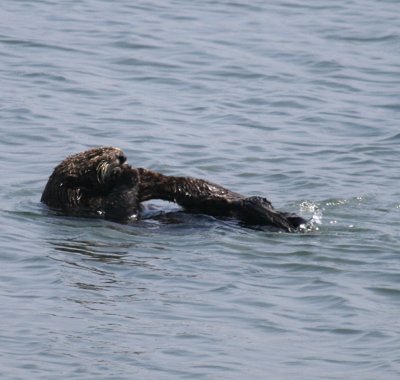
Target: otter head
[95,169]
[92,173]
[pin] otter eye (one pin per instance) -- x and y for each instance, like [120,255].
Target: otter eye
[121,158]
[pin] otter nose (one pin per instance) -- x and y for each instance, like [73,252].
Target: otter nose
[121,158]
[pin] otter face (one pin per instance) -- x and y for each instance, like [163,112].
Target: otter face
[109,165]
[93,169]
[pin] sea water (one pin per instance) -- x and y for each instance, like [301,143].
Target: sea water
[297,101]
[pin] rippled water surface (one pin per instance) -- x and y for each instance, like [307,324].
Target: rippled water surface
[294,100]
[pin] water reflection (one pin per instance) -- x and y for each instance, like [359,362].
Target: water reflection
[93,249]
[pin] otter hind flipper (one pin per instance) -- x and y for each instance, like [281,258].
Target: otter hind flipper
[295,221]
[258,210]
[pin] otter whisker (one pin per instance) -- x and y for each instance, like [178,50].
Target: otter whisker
[102,169]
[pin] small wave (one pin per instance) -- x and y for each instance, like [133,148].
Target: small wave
[361,38]
[316,219]
[394,138]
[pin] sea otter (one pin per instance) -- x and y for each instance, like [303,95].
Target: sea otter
[100,183]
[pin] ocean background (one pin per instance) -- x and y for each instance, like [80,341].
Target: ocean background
[298,101]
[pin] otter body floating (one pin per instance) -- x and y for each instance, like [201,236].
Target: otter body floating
[99,183]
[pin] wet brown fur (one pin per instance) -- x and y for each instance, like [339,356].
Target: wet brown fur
[99,183]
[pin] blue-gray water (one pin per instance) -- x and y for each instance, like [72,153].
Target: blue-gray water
[294,100]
